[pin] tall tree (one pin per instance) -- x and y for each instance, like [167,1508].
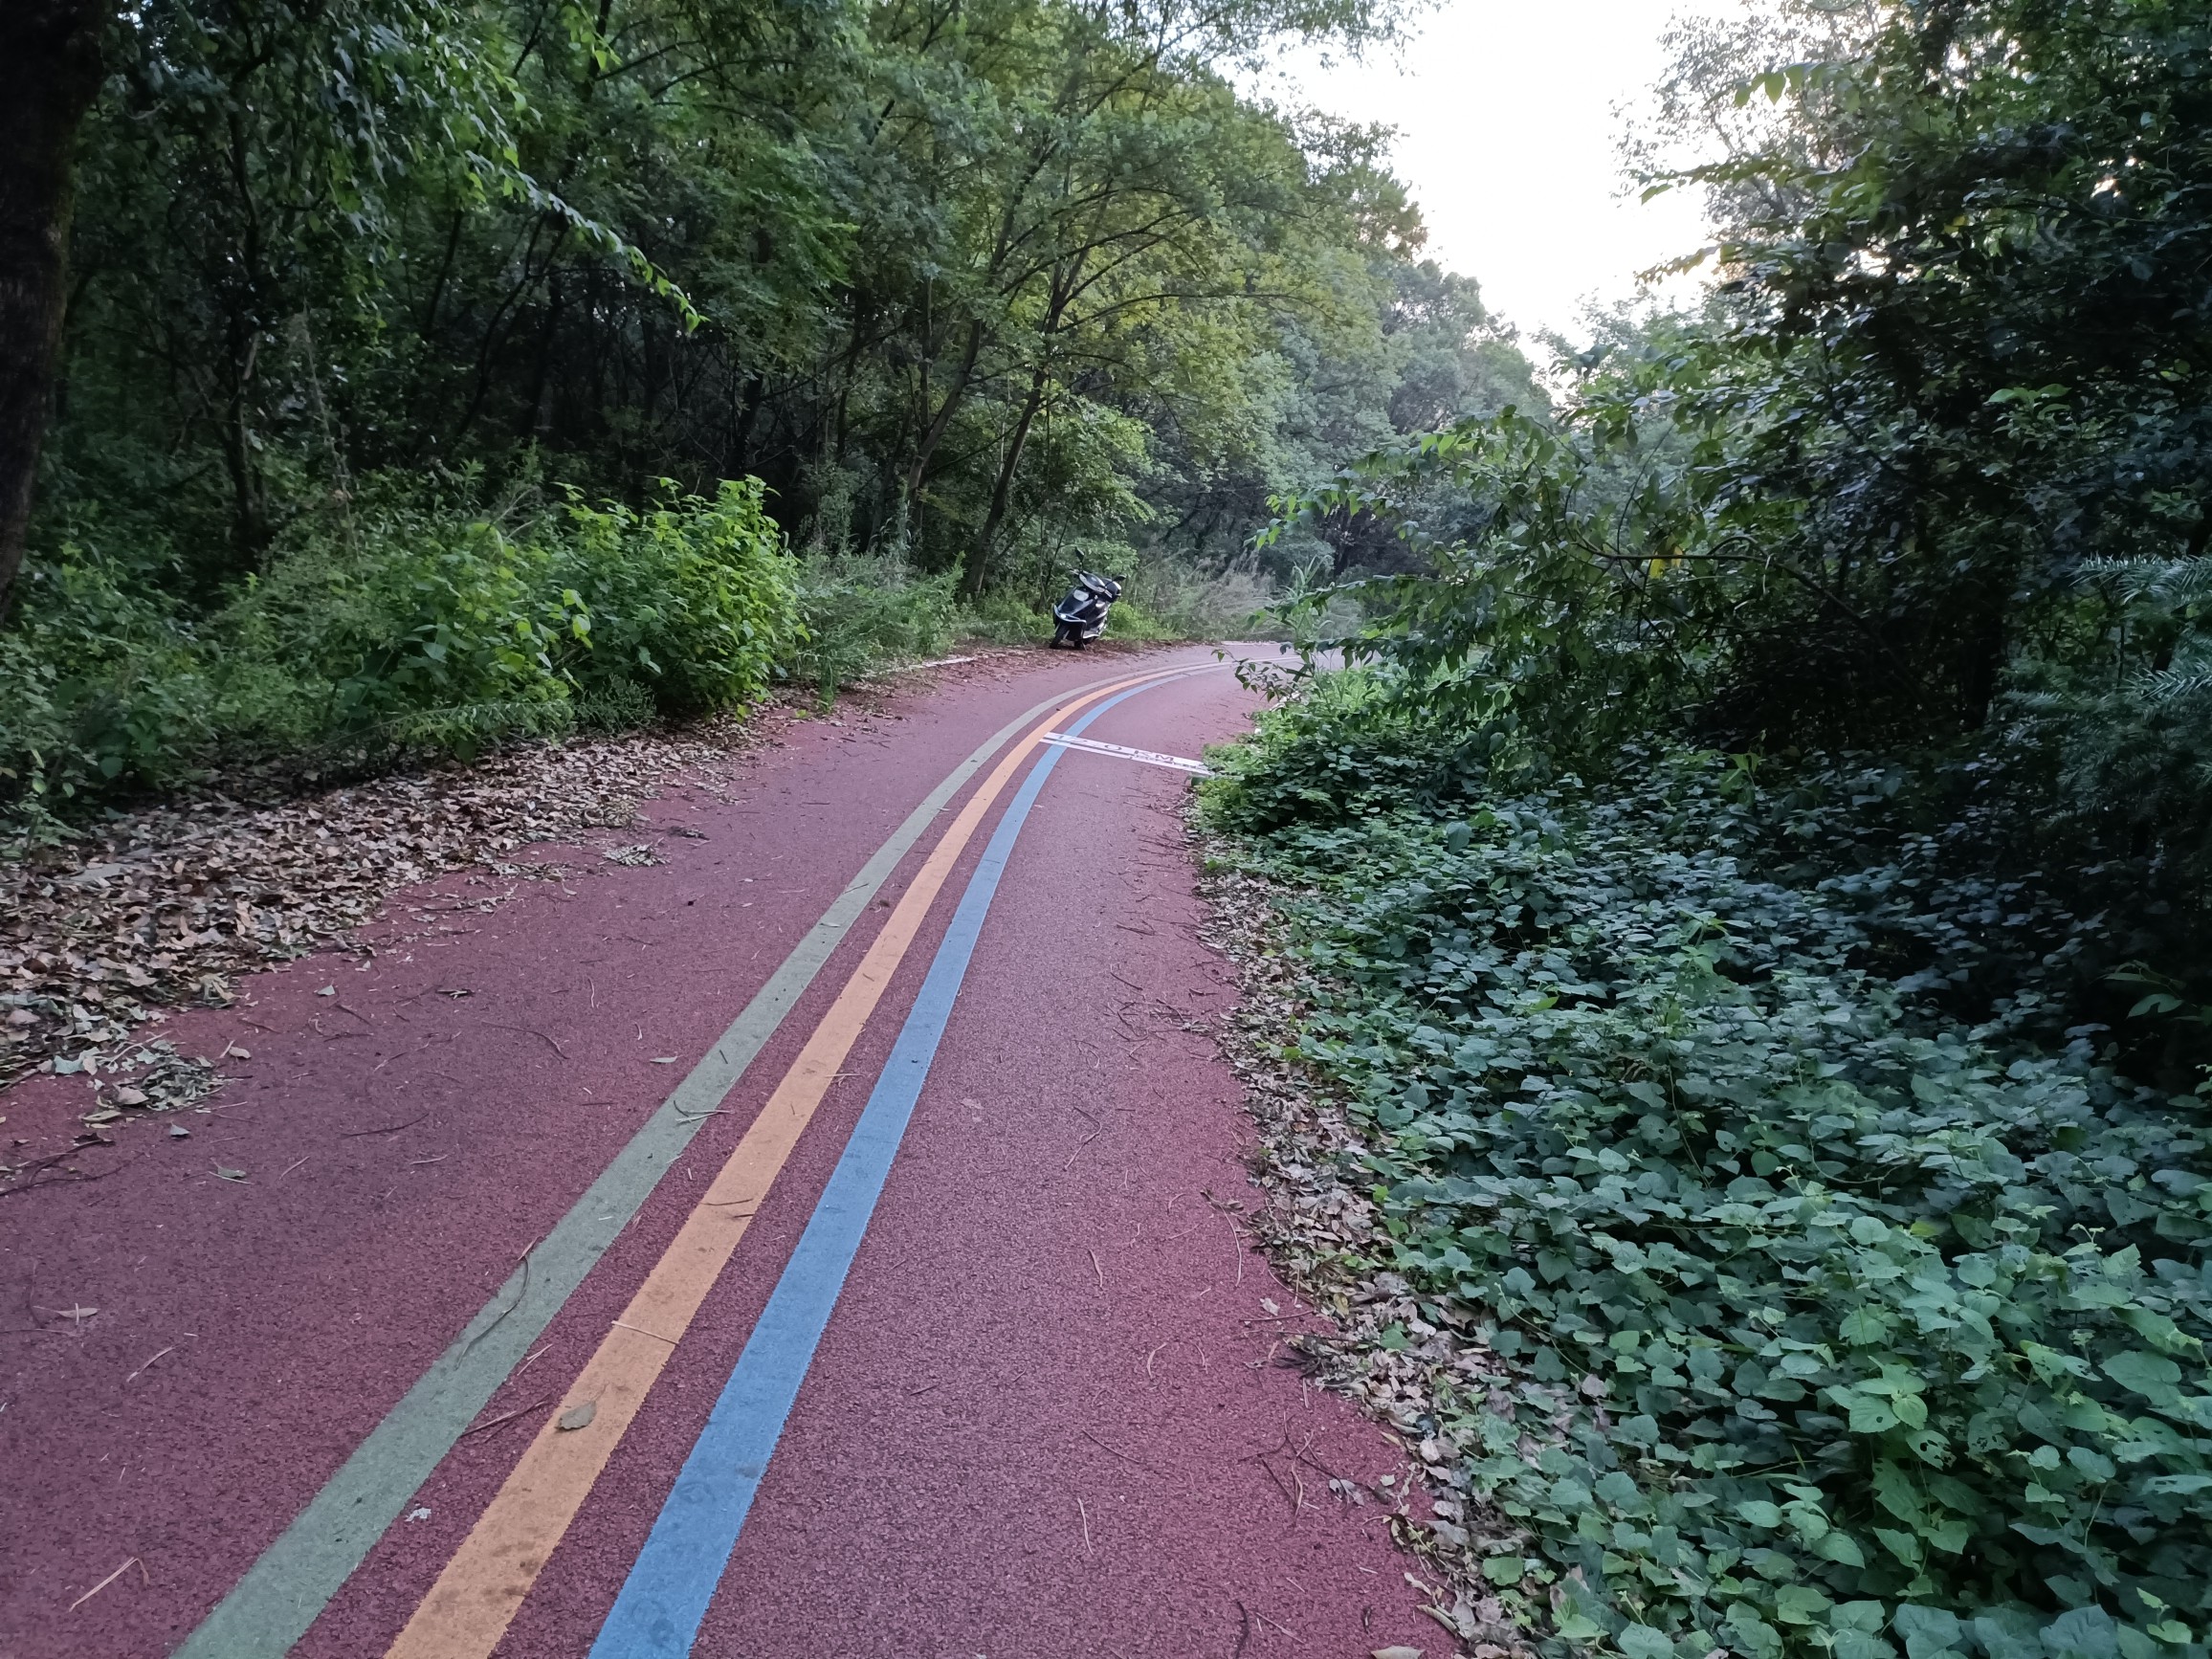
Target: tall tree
[48,74]
[963,277]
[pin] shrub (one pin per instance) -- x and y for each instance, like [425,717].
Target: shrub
[1005,616]
[1167,600]
[1358,743]
[100,680]
[421,628]
[405,620]
[696,600]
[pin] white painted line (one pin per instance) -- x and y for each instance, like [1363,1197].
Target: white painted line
[1174,763]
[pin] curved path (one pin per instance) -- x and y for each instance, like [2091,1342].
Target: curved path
[823,1243]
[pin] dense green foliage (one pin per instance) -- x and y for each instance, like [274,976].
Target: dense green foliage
[1838,1317]
[1926,479]
[965,287]
[407,626]
[1734,865]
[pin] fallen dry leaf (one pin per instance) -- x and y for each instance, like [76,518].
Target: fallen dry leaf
[1394,1653]
[169,905]
[1318,1226]
[578,1416]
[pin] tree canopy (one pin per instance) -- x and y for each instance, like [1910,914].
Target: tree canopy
[955,276]
[966,284]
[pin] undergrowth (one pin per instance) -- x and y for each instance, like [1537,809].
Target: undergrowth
[416,618]
[431,618]
[1840,1323]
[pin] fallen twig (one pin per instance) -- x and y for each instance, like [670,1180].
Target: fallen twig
[509,1417]
[522,1263]
[1122,1455]
[529,1031]
[96,1590]
[388,1129]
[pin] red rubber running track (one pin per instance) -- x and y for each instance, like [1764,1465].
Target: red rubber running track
[1047,1416]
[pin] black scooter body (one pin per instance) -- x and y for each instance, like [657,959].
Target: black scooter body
[1081,616]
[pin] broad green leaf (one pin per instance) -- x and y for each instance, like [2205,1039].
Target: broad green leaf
[2152,1376]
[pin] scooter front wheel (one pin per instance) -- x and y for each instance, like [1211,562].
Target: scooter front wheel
[1061,635]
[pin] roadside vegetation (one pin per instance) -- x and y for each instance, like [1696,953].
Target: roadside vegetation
[1749,882]
[439,373]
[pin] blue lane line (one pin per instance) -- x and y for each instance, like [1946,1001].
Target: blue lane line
[675,1577]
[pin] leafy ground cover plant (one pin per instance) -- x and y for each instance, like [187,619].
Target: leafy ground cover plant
[1839,1324]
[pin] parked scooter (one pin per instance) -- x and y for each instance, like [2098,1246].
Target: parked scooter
[1081,616]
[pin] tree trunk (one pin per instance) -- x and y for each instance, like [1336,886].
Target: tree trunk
[938,424]
[740,454]
[49,73]
[977,573]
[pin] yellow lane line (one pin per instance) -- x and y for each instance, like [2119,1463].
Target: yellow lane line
[478,1595]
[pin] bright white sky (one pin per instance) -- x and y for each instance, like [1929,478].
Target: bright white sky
[1507,129]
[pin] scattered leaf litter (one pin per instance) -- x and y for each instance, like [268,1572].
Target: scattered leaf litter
[166,906]
[1320,1230]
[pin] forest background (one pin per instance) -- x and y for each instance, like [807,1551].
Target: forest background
[417,356]
[1751,879]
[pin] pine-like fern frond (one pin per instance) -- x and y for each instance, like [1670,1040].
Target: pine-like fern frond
[2174,582]
[2161,688]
